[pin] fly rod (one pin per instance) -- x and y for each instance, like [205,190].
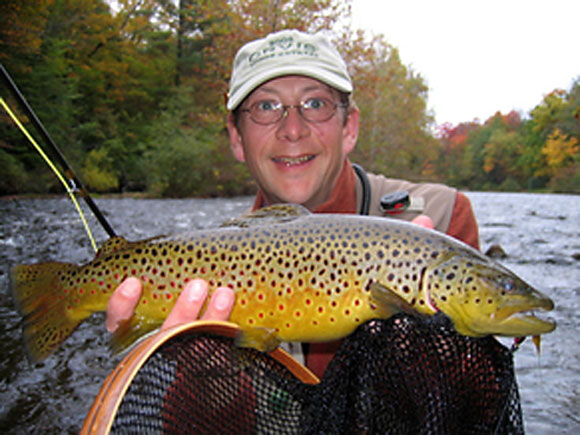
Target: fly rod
[74,181]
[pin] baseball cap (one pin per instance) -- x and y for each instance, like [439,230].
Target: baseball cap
[284,53]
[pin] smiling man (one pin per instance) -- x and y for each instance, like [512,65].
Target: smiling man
[294,132]
[293,122]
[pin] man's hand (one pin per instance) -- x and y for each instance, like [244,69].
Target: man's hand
[424,221]
[125,298]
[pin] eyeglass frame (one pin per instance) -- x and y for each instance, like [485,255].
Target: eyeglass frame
[299,107]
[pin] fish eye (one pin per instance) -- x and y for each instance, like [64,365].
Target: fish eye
[509,285]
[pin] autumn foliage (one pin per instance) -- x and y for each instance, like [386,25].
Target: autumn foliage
[132,91]
[508,152]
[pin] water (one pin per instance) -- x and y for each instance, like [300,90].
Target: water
[540,233]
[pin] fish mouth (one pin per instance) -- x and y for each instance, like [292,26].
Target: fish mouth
[515,317]
[293,161]
[523,323]
[511,319]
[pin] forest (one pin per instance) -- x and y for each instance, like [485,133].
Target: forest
[132,91]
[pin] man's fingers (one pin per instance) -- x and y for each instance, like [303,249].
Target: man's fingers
[188,305]
[221,304]
[424,221]
[122,302]
[191,300]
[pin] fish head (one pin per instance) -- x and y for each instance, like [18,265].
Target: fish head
[484,298]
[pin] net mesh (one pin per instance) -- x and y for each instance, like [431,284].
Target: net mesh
[403,375]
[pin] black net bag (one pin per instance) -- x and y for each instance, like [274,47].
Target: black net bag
[404,375]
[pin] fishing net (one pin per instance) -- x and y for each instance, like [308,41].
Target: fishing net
[402,375]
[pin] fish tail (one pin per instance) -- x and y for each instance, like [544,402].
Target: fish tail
[49,318]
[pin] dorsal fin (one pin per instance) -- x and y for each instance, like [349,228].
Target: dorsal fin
[114,244]
[119,243]
[275,213]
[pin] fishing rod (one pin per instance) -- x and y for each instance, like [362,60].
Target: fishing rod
[74,183]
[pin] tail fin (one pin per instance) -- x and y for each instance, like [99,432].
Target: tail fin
[40,297]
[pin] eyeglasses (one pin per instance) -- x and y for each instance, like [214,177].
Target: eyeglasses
[268,112]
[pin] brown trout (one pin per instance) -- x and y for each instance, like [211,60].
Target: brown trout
[298,277]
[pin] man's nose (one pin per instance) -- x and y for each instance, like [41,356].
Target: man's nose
[292,125]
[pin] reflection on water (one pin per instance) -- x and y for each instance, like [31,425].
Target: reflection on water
[540,234]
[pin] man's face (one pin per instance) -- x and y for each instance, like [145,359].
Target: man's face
[294,160]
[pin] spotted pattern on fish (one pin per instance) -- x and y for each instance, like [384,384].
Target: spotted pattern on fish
[301,278]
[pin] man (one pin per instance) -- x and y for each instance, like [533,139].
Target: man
[293,122]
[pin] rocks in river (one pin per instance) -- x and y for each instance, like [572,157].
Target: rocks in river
[576,256]
[496,251]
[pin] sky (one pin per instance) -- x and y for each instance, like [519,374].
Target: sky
[478,57]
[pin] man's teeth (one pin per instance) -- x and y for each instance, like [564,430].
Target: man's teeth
[290,161]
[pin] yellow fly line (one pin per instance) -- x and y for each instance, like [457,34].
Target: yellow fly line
[58,174]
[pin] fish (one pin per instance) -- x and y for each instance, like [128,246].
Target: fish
[297,276]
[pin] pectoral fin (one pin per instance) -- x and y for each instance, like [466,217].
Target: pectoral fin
[389,302]
[132,331]
[263,339]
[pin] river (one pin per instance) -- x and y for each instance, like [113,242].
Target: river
[539,232]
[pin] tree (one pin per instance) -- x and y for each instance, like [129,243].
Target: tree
[452,165]
[560,151]
[395,136]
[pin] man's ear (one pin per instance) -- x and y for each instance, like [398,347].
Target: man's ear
[350,131]
[235,139]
